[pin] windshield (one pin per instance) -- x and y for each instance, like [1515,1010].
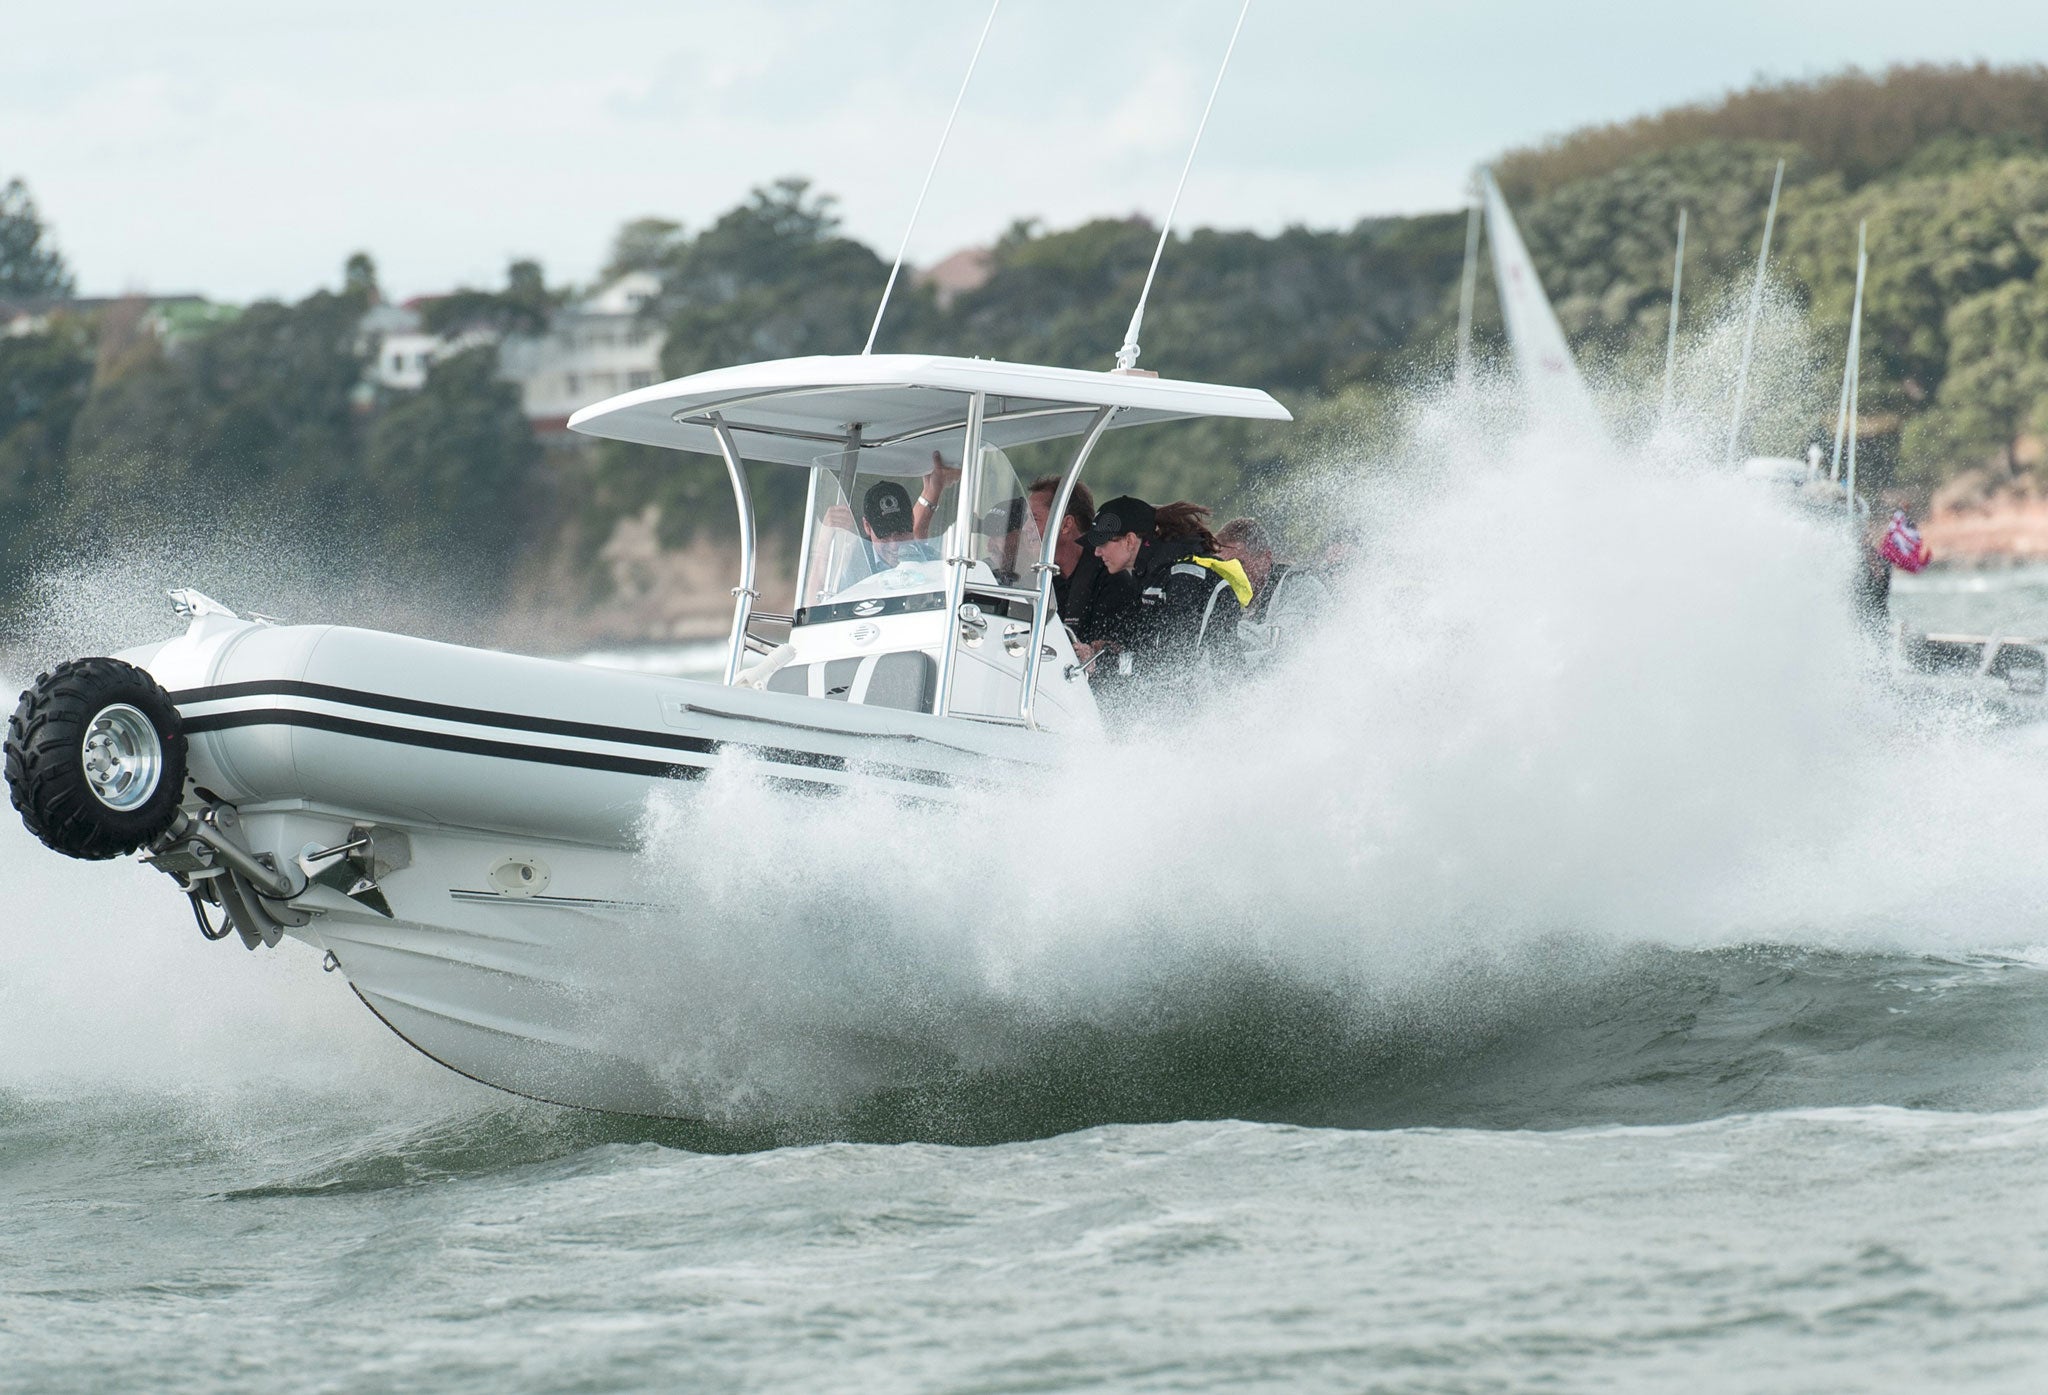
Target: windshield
[1005,540]
[872,537]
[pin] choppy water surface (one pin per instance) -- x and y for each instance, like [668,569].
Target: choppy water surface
[2010,601]
[1591,974]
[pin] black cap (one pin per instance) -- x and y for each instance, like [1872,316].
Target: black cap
[1119,516]
[1006,517]
[886,507]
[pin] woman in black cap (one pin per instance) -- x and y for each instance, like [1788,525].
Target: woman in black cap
[1179,584]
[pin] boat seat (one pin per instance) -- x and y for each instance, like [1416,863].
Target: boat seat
[907,680]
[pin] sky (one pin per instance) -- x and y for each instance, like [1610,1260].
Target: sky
[243,150]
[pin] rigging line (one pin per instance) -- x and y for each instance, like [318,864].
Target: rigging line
[1756,310]
[904,246]
[1127,356]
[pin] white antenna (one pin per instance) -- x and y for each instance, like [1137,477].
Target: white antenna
[1856,366]
[1671,334]
[1127,356]
[1851,369]
[1468,286]
[1756,310]
[904,246]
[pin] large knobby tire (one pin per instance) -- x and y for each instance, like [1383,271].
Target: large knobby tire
[96,758]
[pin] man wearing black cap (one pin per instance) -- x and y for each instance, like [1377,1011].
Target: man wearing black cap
[1158,626]
[886,524]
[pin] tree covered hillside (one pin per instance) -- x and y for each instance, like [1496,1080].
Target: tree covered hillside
[1311,316]
[1949,167]
[104,416]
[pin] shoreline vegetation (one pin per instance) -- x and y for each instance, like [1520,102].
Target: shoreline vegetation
[118,423]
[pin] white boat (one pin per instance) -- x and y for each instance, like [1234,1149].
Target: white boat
[454,828]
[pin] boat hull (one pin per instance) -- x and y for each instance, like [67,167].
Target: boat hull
[520,917]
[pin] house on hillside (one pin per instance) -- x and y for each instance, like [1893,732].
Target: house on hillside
[952,277]
[401,348]
[168,317]
[593,348]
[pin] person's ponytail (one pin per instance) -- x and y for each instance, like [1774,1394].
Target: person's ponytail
[1184,520]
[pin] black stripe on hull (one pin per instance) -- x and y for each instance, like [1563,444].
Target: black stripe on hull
[442,741]
[444,712]
[507,721]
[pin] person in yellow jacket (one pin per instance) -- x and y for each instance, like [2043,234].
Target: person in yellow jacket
[1156,633]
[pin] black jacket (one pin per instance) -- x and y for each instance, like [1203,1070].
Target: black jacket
[1091,598]
[1158,619]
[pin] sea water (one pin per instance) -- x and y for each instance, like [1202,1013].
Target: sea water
[1580,969]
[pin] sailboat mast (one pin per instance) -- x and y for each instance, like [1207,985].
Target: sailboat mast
[1856,363]
[1671,332]
[1468,287]
[1856,343]
[1756,310]
[1854,355]
[902,247]
[1842,412]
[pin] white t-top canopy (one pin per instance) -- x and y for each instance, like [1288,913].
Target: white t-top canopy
[802,411]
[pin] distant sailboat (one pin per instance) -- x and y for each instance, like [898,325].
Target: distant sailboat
[1550,375]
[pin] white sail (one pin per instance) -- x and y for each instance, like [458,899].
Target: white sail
[1549,374]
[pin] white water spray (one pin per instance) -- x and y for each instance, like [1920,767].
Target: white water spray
[1604,696]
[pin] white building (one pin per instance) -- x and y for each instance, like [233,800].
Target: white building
[593,349]
[402,349]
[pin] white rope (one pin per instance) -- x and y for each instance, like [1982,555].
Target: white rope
[946,135]
[1127,356]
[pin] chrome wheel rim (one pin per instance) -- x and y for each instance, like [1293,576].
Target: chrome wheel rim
[124,757]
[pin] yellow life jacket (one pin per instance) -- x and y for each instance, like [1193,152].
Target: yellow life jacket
[1231,571]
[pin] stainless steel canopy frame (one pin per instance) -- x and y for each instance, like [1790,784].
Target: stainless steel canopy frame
[743,594]
[882,413]
[960,557]
[1048,568]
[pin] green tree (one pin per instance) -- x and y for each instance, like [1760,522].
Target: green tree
[645,244]
[770,279]
[1603,246]
[452,465]
[261,408]
[44,380]
[1936,241]
[1995,391]
[1860,125]
[525,306]
[359,278]
[31,268]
